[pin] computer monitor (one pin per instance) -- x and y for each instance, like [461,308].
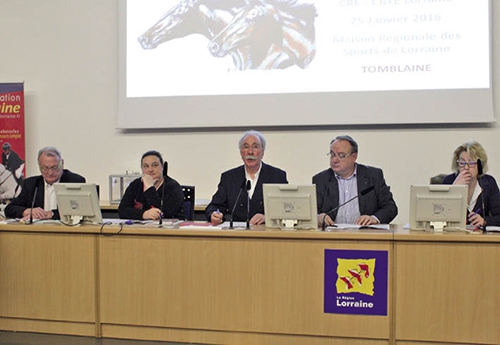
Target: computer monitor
[290,207]
[438,207]
[78,202]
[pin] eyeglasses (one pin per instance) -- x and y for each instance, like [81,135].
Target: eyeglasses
[340,155]
[462,164]
[53,169]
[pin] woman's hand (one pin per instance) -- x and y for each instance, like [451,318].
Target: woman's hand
[152,214]
[476,220]
[464,177]
[147,182]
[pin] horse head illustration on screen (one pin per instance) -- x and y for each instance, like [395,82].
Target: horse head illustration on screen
[9,188]
[204,17]
[275,34]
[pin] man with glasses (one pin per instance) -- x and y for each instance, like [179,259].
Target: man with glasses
[232,192]
[352,193]
[37,199]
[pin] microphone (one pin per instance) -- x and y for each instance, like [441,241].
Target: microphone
[249,186]
[236,203]
[160,221]
[362,193]
[479,173]
[33,205]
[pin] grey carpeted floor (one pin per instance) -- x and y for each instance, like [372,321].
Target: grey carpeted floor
[19,338]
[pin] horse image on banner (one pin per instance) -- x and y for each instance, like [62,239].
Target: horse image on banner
[276,33]
[256,34]
[188,17]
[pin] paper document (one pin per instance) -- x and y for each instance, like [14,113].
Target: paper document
[355,226]
[199,226]
[210,226]
[493,228]
[9,221]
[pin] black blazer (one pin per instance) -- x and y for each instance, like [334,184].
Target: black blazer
[135,201]
[378,203]
[17,206]
[229,187]
[490,197]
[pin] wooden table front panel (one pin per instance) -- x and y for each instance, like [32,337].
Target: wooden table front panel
[447,292]
[272,286]
[49,277]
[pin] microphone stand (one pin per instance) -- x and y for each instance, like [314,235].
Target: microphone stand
[160,221]
[236,203]
[363,192]
[33,205]
[248,205]
[334,209]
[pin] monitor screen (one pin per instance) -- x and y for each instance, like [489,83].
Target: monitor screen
[78,202]
[436,207]
[290,207]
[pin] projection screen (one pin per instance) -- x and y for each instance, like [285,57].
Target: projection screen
[253,63]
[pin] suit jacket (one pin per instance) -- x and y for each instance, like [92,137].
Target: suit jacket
[17,206]
[489,197]
[378,203]
[229,187]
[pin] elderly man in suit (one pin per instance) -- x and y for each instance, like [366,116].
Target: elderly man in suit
[232,189]
[38,191]
[372,201]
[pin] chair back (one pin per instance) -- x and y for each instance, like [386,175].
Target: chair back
[438,179]
[188,201]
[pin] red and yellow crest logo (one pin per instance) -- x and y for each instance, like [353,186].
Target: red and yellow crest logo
[355,275]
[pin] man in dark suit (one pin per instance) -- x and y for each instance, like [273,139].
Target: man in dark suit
[41,188]
[232,192]
[344,180]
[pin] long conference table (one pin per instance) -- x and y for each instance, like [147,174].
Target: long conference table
[256,286]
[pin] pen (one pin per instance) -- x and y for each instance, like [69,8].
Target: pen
[480,227]
[161,213]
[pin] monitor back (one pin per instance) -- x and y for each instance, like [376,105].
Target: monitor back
[434,204]
[78,200]
[290,207]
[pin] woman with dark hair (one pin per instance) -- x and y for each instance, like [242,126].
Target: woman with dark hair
[153,196]
[470,164]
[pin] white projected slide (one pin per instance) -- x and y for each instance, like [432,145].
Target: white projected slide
[213,63]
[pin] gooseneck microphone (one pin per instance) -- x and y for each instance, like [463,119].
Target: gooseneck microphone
[236,203]
[160,222]
[249,186]
[479,175]
[363,192]
[33,205]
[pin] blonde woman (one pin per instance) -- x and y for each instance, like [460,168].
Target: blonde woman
[470,164]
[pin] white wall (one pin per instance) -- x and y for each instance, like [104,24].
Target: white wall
[66,51]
